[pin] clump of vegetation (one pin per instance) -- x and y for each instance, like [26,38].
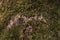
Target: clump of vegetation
[49,9]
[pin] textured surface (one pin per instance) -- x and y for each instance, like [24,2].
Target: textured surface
[29,19]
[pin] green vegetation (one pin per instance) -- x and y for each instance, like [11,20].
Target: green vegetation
[50,9]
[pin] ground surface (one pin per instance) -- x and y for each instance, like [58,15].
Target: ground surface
[29,19]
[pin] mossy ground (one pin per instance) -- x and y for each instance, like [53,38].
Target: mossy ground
[50,9]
